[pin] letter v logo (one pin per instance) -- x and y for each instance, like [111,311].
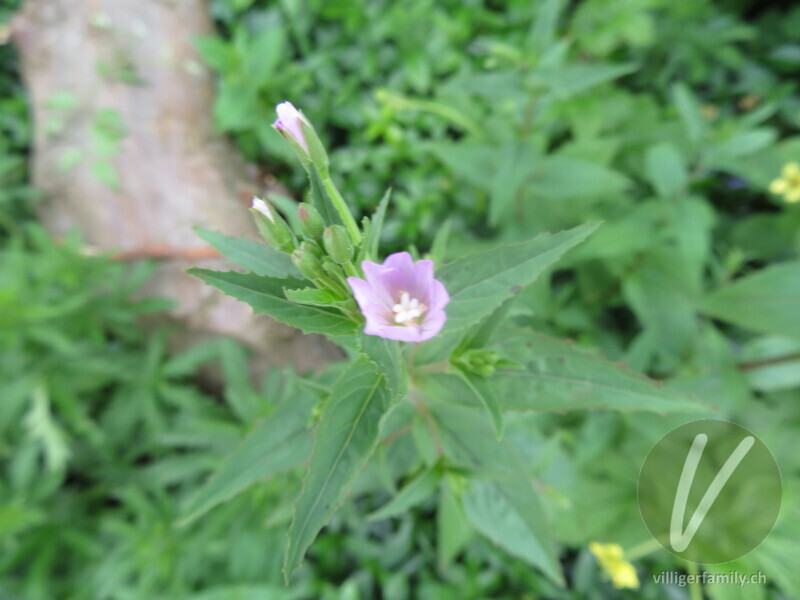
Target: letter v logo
[679,538]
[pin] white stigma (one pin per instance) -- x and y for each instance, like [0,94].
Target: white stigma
[408,310]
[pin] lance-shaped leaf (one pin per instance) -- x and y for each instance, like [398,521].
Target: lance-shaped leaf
[767,301]
[250,255]
[509,513]
[369,249]
[481,282]
[461,387]
[266,295]
[278,442]
[558,376]
[387,357]
[503,504]
[346,438]
[482,389]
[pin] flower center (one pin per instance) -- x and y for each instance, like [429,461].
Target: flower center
[408,310]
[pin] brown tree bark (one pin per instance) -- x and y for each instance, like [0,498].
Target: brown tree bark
[125,150]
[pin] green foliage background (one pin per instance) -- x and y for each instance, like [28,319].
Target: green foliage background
[492,121]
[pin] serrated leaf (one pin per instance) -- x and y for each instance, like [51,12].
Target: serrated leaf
[558,376]
[250,255]
[386,355]
[278,442]
[765,301]
[313,297]
[504,504]
[509,513]
[481,282]
[346,438]
[265,295]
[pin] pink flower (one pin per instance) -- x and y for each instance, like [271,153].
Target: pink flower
[400,298]
[289,119]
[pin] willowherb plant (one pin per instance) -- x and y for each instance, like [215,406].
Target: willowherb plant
[434,359]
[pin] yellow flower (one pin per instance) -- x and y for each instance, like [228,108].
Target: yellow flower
[788,184]
[620,571]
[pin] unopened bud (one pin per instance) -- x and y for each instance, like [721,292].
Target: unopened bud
[310,221]
[338,244]
[272,227]
[300,134]
[307,262]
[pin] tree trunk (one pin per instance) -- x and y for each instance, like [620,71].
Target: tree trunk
[125,150]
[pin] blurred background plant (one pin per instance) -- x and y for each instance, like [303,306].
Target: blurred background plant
[667,120]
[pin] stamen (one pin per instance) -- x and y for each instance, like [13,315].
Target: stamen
[408,310]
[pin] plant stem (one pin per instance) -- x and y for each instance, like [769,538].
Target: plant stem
[342,209]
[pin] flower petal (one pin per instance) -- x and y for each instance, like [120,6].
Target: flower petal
[433,323]
[779,186]
[401,333]
[376,277]
[289,119]
[791,170]
[438,297]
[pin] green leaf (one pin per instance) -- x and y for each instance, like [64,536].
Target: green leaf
[418,489]
[278,442]
[474,162]
[483,332]
[509,513]
[265,295]
[564,81]
[446,110]
[370,247]
[316,297]
[346,438]
[45,431]
[545,27]
[666,170]
[453,530]
[389,361]
[482,389]
[516,161]
[250,255]
[439,246]
[504,504]
[565,177]
[558,376]
[481,282]
[690,112]
[765,301]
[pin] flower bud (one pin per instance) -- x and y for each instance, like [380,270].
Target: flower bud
[289,122]
[307,262]
[338,244]
[311,222]
[480,361]
[300,134]
[272,227]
